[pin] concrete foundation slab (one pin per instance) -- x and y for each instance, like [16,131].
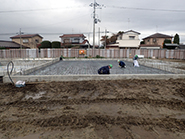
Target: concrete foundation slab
[49,78]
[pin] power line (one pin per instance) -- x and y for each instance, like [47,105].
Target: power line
[146,9]
[34,10]
[117,7]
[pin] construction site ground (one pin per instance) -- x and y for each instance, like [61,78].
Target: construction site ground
[111,109]
[95,109]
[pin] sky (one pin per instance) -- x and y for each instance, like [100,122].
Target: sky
[53,18]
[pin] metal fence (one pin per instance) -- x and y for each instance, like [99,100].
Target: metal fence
[108,53]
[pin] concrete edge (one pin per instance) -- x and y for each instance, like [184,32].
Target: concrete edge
[49,78]
[30,70]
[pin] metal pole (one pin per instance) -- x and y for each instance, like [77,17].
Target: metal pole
[105,38]
[99,38]
[88,44]
[94,14]
[20,38]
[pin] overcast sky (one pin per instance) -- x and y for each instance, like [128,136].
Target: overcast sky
[53,18]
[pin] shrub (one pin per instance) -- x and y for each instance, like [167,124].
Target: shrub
[45,44]
[56,44]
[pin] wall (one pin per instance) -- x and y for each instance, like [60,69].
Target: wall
[126,42]
[159,41]
[108,53]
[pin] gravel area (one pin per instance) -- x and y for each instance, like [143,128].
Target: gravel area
[70,67]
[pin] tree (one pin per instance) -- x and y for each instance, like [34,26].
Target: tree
[56,44]
[120,33]
[142,42]
[112,39]
[166,41]
[176,39]
[45,44]
[103,39]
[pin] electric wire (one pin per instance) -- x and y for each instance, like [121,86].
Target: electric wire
[116,7]
[146,9]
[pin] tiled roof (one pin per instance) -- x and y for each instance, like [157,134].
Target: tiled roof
[158,35]
[72,35]
[10,44]
[25,36]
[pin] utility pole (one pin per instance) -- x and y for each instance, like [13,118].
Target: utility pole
[95,20]
[20,36]
[106,37]
[99,37]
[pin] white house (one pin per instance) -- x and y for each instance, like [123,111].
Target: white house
[128,40]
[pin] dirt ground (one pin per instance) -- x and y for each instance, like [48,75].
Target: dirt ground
[118,109]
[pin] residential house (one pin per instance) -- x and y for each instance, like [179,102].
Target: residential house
[128,40]
[74,40]
[29,40]
[11,45]
[155,41]
[112,46]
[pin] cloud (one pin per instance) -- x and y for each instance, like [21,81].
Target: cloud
[52,17]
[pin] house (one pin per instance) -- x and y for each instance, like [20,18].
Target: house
[11,45]
[128,40]
[155,41]
[112,46]
[74,40]
[29,40]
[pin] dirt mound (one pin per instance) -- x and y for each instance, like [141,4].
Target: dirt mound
[129,109]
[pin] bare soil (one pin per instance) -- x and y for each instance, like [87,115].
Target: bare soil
[117,109]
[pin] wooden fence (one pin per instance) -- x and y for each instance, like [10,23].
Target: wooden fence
[108,53]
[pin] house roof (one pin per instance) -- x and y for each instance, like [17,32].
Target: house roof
[158,35]
[11,44]
[72,35]
[25,36]
[131,31]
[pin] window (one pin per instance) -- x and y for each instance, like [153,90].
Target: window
[131,37]
[154,40]
[76,39]
[25,40]
[36,40]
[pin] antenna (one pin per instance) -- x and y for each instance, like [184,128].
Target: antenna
[156,28]
[128,23]
[19,33]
